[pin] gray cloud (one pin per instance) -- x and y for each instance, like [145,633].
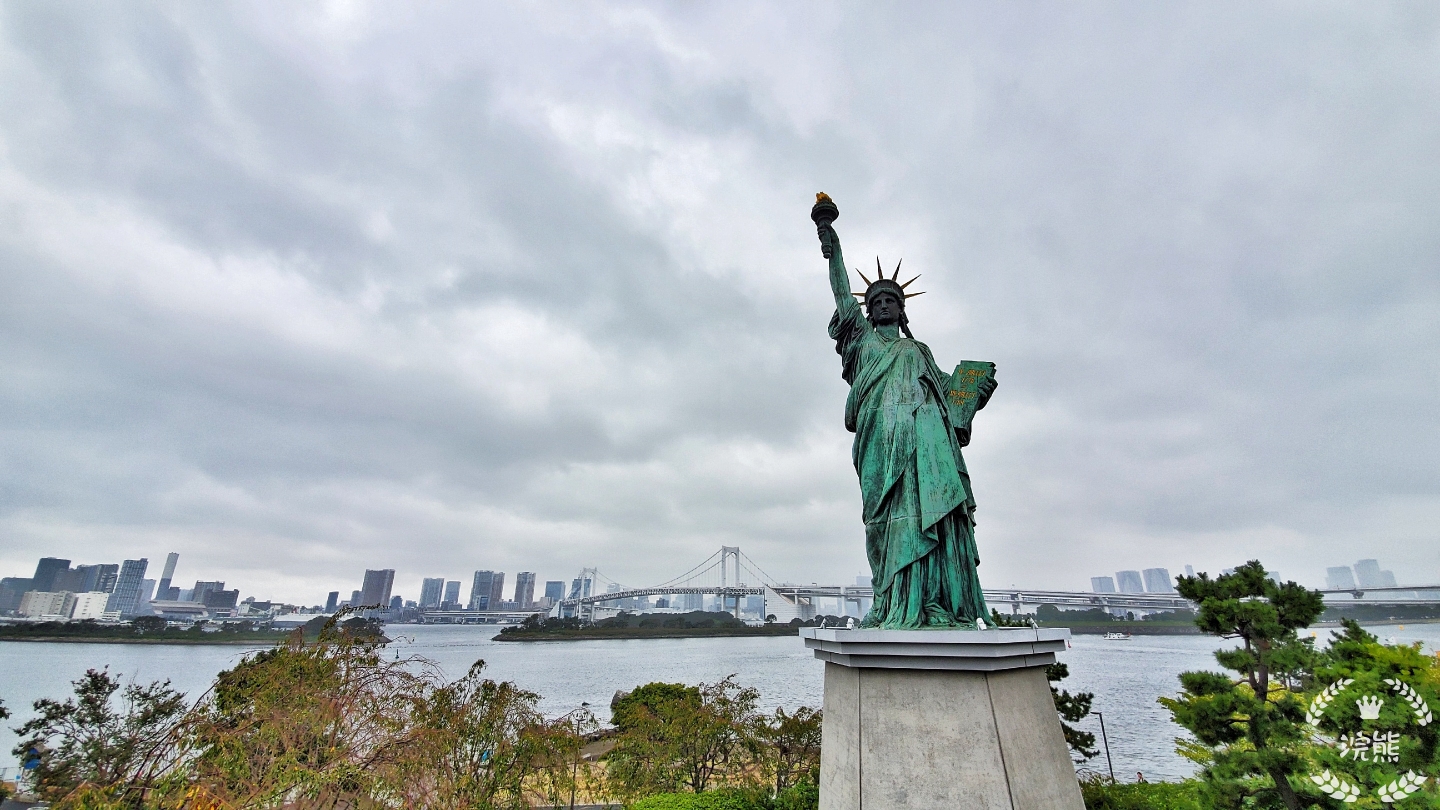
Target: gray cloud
[298,291]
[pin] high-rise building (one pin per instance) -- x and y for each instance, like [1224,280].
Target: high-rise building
[497,590]
[12,590]
[1129,582]
[1367,574]
[487,590]
[71,580]
[1102,584]
[397,602]
[1157,580]
[524,590]
[127,587]
[554,590]
[431,592]
[1387,579]
[1189,570]
[376,588]
[221,598]
[45,571]
[1339,578]
[197,594]
[452,592]
[162,591]
[147,592]
[99,577]
[354,599]
[332,602]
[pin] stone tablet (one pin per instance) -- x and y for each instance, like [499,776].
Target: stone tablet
[964,393]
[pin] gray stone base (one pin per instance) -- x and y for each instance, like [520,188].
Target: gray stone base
[941,719]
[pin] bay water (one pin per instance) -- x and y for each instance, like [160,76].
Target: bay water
[1126,677]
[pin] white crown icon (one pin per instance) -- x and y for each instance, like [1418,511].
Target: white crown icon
[1369,707]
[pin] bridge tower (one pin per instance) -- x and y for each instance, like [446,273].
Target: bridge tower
[726,554]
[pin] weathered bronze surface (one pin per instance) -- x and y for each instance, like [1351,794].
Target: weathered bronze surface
[910,420]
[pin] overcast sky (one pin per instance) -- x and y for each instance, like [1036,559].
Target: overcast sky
[302,289]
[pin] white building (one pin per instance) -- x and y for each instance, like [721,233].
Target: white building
[89,605]
[47,604]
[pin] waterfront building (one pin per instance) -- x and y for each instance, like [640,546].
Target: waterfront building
[397,603]
[1102,584]
[554,590]
[168,574]
[452,592]
[12,590]
[431,592]
[487,590]
[1367,574]
[1189,570]
[220,599]
[1157,580]
[1387,579]
[375,590]
[524,590]
[204,588]
[332,601]
[47,604]
[1339,578]
[1129,582]
[45,571]
[127,587]
[89,605]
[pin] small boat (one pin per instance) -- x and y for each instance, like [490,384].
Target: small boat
[1117,636]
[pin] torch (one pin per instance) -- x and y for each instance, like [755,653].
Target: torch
[823,213]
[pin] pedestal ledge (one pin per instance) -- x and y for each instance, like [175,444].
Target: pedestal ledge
[966,650]
[942,719]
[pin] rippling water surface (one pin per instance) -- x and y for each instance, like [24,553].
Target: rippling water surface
[1126,676]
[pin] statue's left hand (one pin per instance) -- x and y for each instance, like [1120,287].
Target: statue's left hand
[987,387]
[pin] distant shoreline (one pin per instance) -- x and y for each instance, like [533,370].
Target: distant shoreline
[228,642]
[625,633]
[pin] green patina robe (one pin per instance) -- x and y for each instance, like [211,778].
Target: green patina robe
[918,507]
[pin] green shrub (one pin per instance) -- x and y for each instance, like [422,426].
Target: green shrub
[723,799]
[1103,795]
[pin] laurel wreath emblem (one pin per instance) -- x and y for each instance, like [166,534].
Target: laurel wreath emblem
[1417,703]
[1408,783]
[1337,787]
[1316,712]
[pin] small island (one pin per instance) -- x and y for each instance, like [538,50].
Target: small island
[695,624]
[155,630]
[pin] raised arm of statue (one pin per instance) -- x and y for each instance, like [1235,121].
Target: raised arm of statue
[839,276]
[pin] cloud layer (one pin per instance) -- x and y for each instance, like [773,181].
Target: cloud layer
[301,290]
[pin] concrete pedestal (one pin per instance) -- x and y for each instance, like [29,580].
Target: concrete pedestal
[942,719]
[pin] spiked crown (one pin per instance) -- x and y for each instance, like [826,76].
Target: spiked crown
[883,284]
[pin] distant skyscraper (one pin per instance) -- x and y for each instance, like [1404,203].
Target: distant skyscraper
[480,590]
[71,580]
[147,592]
[554,590]
[497,590]
[197,594]
[1129,582]
[12,589]
[1157,580]
[99,578]
[127,587]
[376,588]
[397,602]
[162,590]
[1189,570]
[452,591]
[524,589]
[1387,579]
[1340,578]
[431,592]
[1102,584]
[1367,574]
[332,602]
[44,579]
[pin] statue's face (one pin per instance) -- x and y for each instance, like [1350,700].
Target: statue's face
[885,309]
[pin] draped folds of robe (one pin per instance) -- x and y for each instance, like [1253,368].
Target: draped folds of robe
[918,508]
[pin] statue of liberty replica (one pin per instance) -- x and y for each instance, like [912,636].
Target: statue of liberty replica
[910,420]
